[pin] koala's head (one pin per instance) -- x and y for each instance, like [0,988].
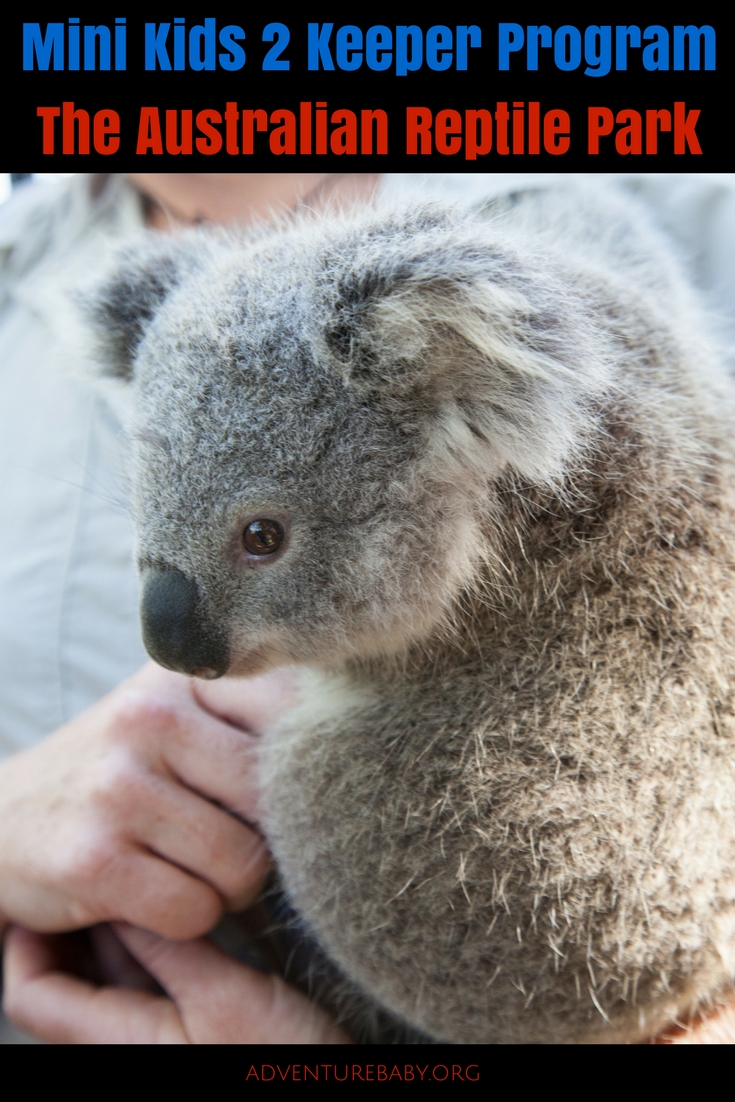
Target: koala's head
[321,411]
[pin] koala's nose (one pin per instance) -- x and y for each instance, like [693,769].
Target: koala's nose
[176,633]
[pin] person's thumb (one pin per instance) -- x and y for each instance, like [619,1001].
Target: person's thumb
[63,1009]
[224,1002]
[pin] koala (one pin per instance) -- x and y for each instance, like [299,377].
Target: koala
[470,473]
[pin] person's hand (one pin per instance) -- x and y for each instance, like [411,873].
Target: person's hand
[139,810]
[212,999]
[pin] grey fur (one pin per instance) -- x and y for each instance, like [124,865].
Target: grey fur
[501,445]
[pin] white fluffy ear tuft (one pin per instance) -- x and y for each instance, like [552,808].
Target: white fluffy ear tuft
[520,374]
[490,340]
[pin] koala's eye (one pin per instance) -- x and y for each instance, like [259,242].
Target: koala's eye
[263,537]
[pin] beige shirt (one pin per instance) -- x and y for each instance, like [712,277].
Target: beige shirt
[68,589]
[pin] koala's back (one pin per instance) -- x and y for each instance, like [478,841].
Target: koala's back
[524,830]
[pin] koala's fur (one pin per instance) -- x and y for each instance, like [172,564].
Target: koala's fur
[502,445]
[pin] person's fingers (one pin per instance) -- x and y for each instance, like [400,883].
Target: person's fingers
[252,703]
[27,956]
[115,964]
[157,714]
[216,759]
[147,891]
[224,1002]
[58,1008]
[206,841]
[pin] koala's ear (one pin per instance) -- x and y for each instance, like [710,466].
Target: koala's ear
[120,309]
[458,319]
